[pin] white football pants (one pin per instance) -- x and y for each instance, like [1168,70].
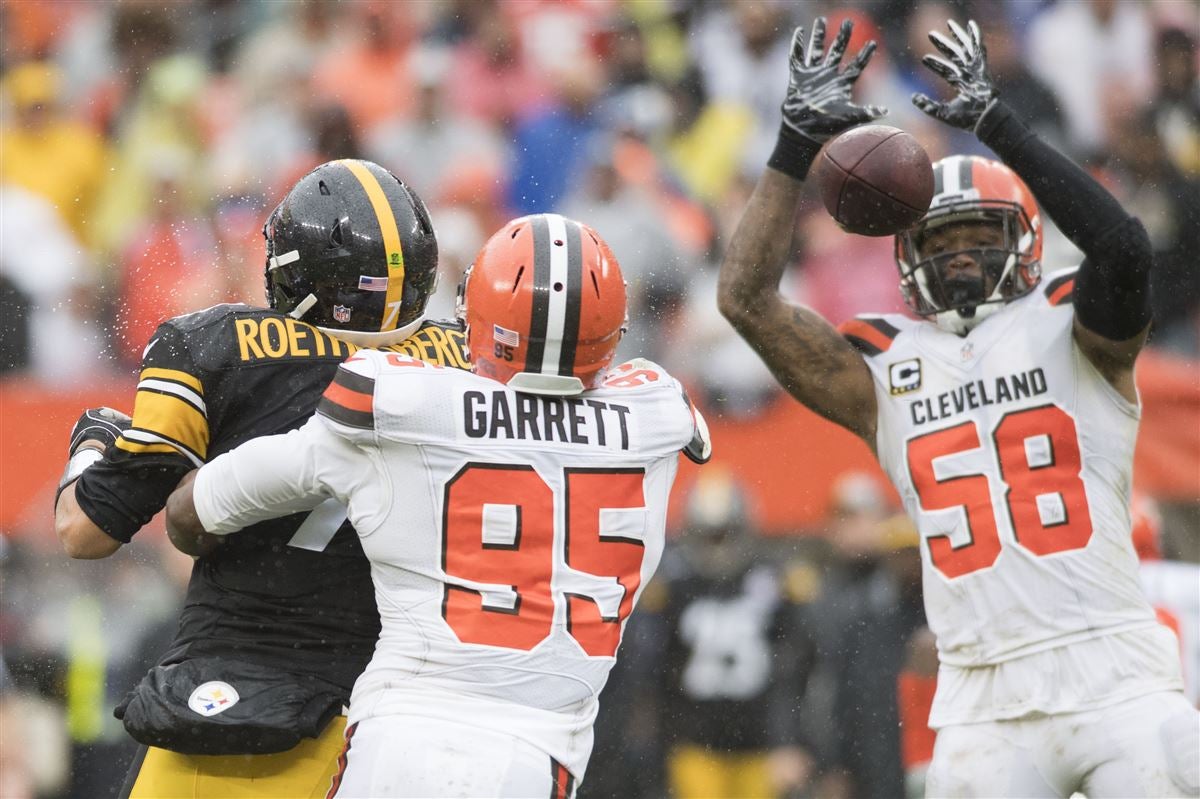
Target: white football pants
[1143,747]
[409,756]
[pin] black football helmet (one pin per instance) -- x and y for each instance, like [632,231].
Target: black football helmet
[351,249]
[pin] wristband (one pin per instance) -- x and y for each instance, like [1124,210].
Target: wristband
[794,153]
[75,466]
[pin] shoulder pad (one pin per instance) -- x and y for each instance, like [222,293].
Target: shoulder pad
[1060,287]
[350,398]
[636,373]
[197,319]
[870,335]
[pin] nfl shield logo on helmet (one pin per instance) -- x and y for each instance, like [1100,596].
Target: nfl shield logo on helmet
[341,313]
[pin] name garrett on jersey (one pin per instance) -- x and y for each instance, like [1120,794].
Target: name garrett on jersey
[528,417]
[978,393]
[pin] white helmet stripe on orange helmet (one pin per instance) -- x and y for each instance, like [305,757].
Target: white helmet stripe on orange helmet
[558,278]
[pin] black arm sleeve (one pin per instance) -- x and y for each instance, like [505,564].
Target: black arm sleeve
[122,493]
[1111,295]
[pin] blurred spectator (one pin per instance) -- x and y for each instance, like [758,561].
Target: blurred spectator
[16,778]
[655,270]
[851,566]
[491,80]
[423,148]
[459,238]
[271,133]
[45,270]
[629,744]
[550,146]
[1177,105]
[1170,585]
[736,652]
[168,266]
[1090,53]
[163,123]
[841,275]
[369,74]
[295,38]
[334,135]
[1168,203]
[869,657]
[1019,87]
[634,101]
[741,49]
[708,140]
[46,152]
[704,351]
[915,688]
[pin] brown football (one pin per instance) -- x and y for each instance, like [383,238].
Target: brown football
[875,180]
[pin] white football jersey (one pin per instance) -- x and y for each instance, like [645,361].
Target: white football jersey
[1013,456]
[1173,590]
[510,535]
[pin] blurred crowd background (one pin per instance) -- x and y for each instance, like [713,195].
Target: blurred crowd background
[142,144]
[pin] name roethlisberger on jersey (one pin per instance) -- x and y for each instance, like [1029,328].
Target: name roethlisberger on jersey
[505,415]
[977,394]
[272,337]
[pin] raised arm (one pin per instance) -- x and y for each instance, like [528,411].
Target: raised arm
[805,353]
[1111,295]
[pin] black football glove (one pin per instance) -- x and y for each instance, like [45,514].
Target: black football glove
[965,69]
[98,424]
[817,106]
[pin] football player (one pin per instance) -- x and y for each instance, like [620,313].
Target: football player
[511,516]
[280,620]
[1006,418]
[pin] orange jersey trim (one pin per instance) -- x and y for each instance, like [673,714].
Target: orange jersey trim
[1062,292]
[866,332]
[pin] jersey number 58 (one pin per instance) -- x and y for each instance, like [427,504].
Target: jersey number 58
[1037,452]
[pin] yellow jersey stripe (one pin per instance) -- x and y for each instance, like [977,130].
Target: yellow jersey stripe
[173,374]
[136,448]
[171,417]
[391,241]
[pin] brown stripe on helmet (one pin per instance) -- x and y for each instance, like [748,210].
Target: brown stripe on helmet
[570,339]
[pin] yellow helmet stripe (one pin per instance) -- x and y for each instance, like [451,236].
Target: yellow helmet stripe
[391,240]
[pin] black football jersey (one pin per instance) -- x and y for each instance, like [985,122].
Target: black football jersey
[737,659]
[293,593]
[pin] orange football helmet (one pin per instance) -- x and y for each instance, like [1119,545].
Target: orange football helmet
[544,306]
[968,188]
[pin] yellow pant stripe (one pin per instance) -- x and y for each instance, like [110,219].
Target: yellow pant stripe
[303,772]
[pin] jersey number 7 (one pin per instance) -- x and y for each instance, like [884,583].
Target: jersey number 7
[1037,451]
[499,553]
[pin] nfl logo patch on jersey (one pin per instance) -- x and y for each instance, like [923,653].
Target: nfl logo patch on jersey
[213,697]
[341,313]
[904,376]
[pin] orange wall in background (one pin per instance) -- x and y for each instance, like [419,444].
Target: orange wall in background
[787,456]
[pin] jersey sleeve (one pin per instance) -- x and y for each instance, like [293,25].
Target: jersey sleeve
[348,403]
[167,438]
[699,448]
[274,476]
[644,377]
[870,335]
